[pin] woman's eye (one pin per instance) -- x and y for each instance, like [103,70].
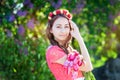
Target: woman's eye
[66,26]
[58,27]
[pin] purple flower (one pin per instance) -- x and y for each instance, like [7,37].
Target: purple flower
[66,63]
[80,6]
[112,2]
[74,11]
[111,16]
[9,33]
[26,2]
[11,18]
[78,9]
[30,24]
[71,63]
[109,24]
[30,5]
[21,30]
[25,51]
[18,42]
[21,13]
[57,5]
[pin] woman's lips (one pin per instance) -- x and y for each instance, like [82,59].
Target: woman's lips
[62,35]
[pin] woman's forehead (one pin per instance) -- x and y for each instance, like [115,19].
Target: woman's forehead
[61,20]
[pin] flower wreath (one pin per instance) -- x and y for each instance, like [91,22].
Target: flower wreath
[60,11]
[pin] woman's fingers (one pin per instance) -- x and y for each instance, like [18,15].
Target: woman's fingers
[74,30]
[73,25]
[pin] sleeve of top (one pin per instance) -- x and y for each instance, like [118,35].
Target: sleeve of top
[54,53]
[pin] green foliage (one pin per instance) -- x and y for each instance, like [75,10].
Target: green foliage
[22,34]
[89,76]
[22,62]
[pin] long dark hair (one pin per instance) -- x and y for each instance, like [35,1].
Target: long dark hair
[51,37]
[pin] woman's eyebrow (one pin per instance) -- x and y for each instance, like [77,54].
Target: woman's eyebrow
[58,24]
[66,24]
[61,24]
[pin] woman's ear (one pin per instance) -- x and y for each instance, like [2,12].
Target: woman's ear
[51,31]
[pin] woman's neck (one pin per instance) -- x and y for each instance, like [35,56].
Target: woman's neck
[61,43]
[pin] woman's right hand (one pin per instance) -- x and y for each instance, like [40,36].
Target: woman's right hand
[75,30]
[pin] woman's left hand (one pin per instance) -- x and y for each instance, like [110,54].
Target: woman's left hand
[75,31]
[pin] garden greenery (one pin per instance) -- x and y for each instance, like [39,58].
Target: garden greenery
[23,41]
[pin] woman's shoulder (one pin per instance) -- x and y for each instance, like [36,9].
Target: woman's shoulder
[53,48]
[54,51]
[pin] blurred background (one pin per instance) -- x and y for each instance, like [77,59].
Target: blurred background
[23,41]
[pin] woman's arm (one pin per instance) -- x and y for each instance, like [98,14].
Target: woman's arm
[84,52]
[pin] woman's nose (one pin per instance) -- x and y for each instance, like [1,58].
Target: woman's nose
[63,30]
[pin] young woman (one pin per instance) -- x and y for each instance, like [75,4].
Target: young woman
[64,62]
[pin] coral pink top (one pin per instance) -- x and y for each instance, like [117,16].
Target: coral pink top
[54,53]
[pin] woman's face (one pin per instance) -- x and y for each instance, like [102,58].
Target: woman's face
[60,29]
